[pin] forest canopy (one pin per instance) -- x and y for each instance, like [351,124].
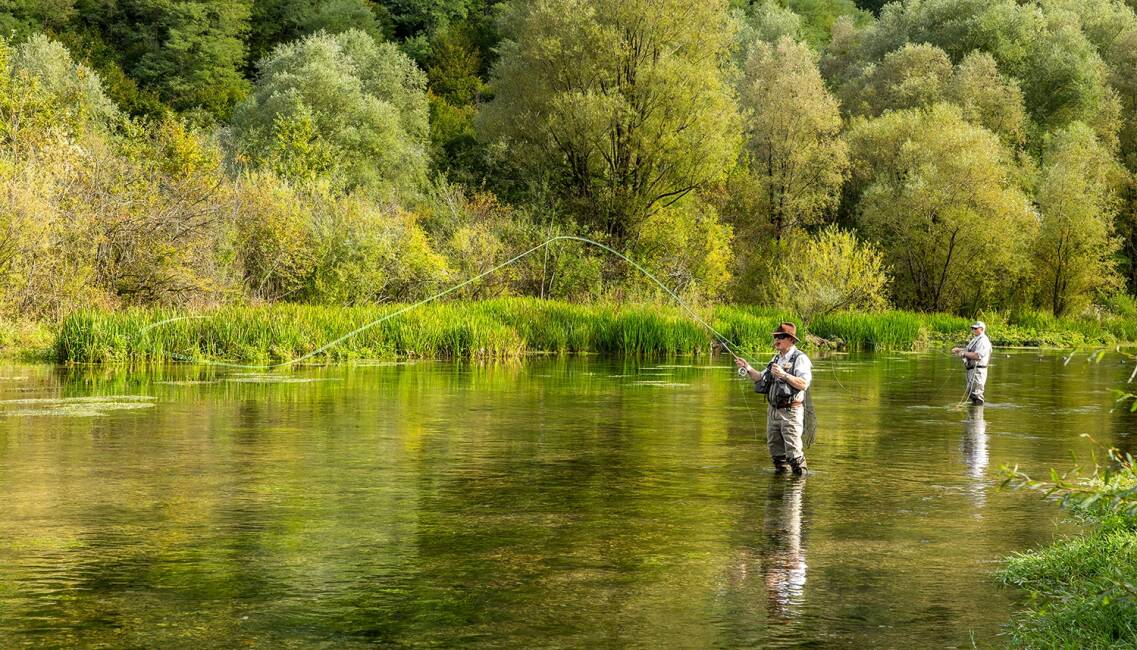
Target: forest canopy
[934,155]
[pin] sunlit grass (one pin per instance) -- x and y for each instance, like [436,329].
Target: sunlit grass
[1080,592]
[511,327]
[1083,590]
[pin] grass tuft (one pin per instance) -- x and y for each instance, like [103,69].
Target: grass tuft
[509,327]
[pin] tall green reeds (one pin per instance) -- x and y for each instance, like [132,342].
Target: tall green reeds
[510,327]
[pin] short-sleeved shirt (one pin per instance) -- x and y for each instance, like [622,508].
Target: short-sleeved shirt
[981,345]
[803,369]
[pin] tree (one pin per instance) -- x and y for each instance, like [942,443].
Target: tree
[688,249]
[43,92]
[987,98]
[935,193]
[1126,226]
[455,75]
[819,16]
[1078,200]
[279,21]
[342,109]
[797,158]
[765,21]
[423,18]
[917,76]
[621,104]
[809,21]
[191,52]
[1111,26]
[909,77]
[1061,75]
[22,18]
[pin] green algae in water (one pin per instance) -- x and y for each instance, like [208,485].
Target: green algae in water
[75,406]
[188,382]
[79,410]
[259,378]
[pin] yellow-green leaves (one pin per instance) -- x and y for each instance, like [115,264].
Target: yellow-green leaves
[797,157]
[622,103]
[936,193]
[1077,196]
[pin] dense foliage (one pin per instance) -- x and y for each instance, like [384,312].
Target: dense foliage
[1082,588]
[809,155]
[509,327]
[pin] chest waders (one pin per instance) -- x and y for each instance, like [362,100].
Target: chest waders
[772,392]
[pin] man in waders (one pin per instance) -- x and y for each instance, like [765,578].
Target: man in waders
[976,357]
[785,381]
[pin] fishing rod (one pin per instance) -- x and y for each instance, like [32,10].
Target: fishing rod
[719,338]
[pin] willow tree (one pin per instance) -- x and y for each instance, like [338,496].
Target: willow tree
[1078,199]
[918,76]
[620,104]
[1043,47]
[936,193]
[792,126]
[342,109]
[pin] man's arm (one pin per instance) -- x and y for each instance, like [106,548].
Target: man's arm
[795,382]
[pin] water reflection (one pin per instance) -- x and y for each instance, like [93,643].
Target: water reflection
[551,503]
[974,448]
[783,554]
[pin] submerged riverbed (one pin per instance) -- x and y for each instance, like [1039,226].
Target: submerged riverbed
[556,502]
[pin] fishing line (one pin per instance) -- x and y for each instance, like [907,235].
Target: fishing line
[722,340]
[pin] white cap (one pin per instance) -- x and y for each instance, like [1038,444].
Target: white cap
[978,323]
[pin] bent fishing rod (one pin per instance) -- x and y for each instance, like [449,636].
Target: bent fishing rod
[719,338]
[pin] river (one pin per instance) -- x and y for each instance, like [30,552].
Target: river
[582,502]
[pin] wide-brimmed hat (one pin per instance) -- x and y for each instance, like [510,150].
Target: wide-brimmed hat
[787,328]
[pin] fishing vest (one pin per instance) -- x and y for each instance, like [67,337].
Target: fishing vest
[778,393]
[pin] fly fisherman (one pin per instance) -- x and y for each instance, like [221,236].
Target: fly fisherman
[976,357]
[785,381]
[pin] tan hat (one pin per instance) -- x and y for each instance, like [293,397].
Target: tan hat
[787,328]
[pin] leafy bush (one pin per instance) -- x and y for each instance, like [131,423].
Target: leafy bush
[686,248]
[342,108]
[364,254]
[91,216]
[831,271]
[1083,589]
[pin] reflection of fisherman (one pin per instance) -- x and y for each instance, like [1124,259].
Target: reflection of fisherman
[786,382]
[783,560]
[976,357]
[975,444]
[769,562]
[974,448]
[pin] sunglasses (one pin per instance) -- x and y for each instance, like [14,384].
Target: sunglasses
[781,337]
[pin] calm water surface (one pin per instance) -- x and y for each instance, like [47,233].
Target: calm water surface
[555,503]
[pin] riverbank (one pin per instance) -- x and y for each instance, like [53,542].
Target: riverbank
[28,341]
[512,327]
[1083,590]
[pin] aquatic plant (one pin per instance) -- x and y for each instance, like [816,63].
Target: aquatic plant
[504,327]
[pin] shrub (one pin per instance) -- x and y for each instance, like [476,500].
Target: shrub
[832,271]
